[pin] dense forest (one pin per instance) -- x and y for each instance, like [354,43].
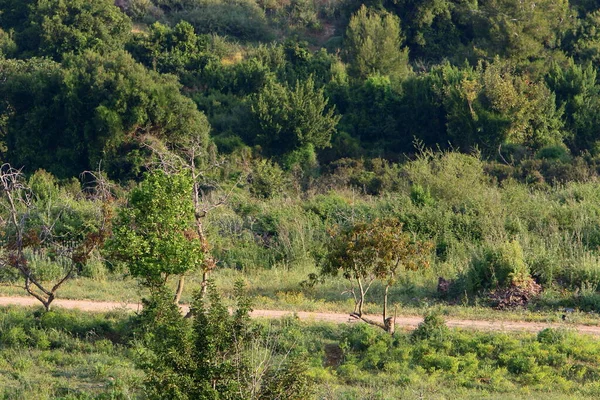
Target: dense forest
[333,155]
[300,82]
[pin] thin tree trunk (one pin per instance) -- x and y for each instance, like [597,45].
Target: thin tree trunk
[204,284]
[389,323]
[209,263]
[385,300]
[362,297]
[180,284]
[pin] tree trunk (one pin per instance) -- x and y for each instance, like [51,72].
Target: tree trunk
[204,284]
[209,263]
[362,297]
[385,300]
[389,323]
[180,284]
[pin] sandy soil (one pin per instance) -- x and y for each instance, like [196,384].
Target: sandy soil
[402,322]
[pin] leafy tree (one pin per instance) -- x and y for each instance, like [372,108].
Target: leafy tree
[7,45]
[171,50]
[26,107]
[173,5]
[521,29]
[266,179]
[492,104]
[192,158]
[154,234]
[375,251]
[43,224]
[372,114]
[288,119]
[300,63]
[578,95]
[241,19]
[529,106]
[421,92]
[92,109]
[210,357]
[436,29]
[373,45]
[583,41]
[55,27]
[15,13]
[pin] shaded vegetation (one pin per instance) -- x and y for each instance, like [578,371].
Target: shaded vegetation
[234,136]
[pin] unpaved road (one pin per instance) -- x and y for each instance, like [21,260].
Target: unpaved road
[402,322]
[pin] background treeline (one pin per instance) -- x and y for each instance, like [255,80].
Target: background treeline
[295,80]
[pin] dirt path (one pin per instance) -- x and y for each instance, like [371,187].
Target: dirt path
[406,322]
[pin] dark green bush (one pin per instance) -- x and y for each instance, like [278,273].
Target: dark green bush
[241,19]
[433,327]
[552,336]
[557,153]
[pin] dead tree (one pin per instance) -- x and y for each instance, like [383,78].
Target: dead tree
[25,233]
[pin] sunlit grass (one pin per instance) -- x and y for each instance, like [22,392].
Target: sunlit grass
[280,289]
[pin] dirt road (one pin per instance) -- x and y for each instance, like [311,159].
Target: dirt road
[406,322]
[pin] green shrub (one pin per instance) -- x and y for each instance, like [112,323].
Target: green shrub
[266,180]
[421,196]
[14,337]
[94,269]
[521,364]
[545,266]
[45,269]
[433,327]
[582,271]
[558,153]
[552,336]
[39,339]
[242,19]
[433,362]
[493,268]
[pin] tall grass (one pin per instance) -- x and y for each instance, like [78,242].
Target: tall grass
[446,198]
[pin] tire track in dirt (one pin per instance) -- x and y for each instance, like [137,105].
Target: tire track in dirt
[402,322]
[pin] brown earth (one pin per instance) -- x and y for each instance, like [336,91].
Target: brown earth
[402,322]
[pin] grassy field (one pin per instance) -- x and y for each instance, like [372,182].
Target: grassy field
[65,355]
[73,355]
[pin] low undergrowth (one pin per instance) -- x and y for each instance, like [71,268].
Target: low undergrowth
[72,355]
[66,355]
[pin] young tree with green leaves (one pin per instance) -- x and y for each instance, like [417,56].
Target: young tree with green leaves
[369,252]
[288,119]
[374,45]
[154,233]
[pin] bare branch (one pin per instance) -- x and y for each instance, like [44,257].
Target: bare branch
[24,234]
